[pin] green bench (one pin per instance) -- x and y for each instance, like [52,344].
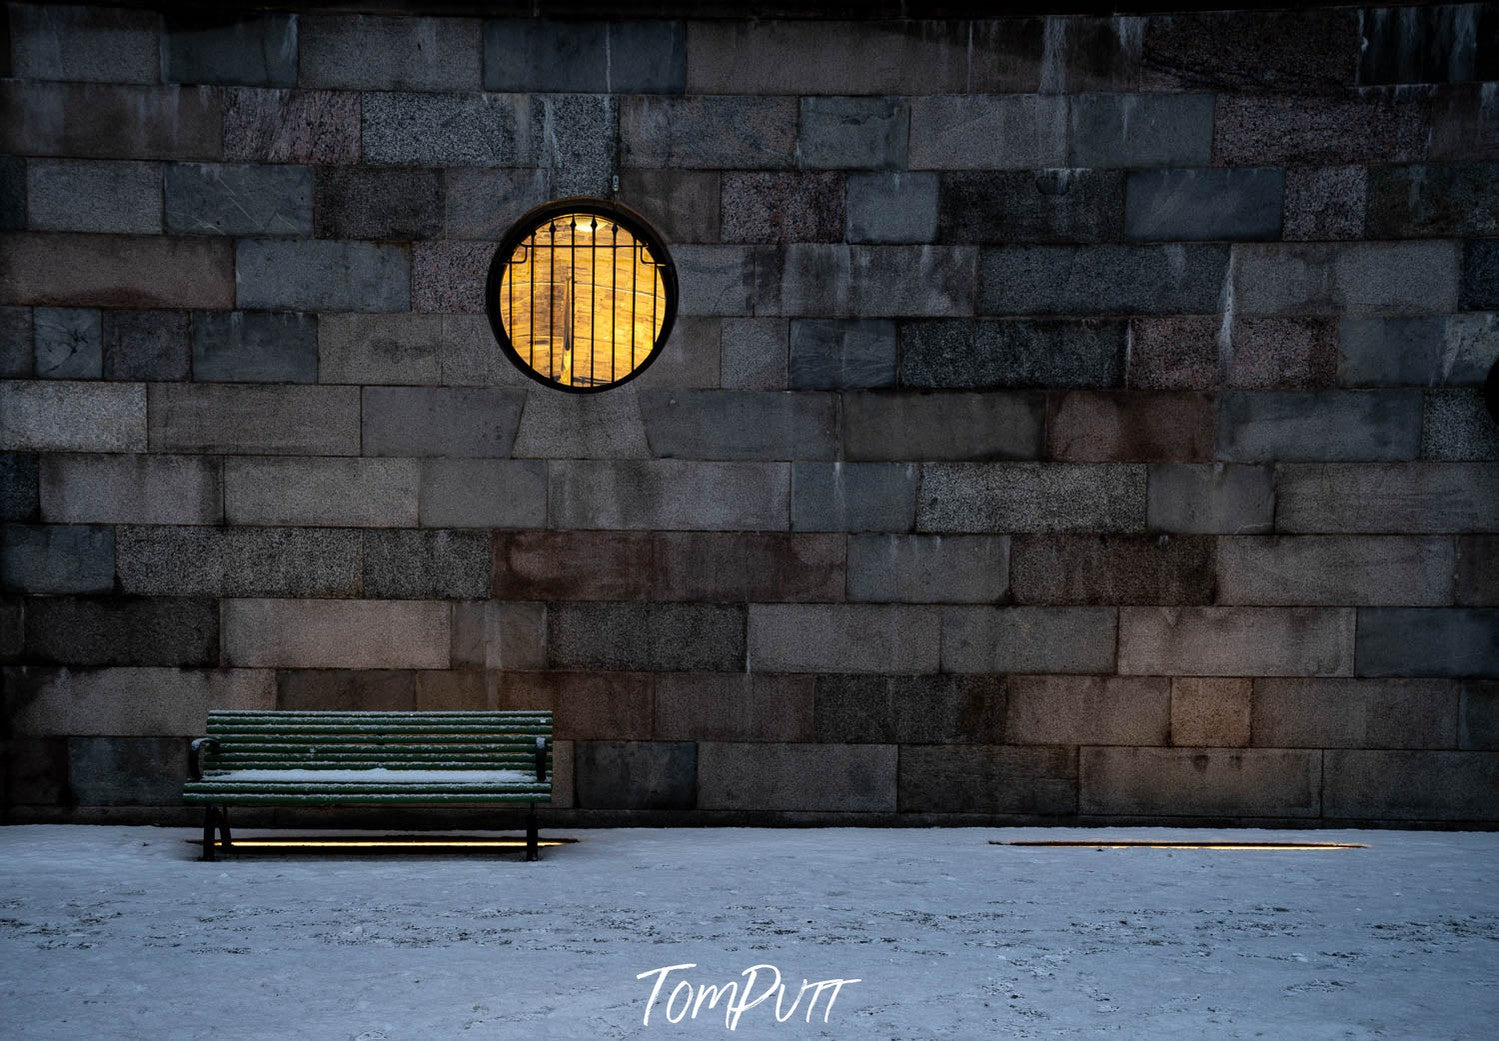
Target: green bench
[369,759]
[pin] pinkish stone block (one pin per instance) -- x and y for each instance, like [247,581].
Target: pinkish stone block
[291,126]
[1174,353]
[1324,202]
[1284,353]
[449,277]
[782,207]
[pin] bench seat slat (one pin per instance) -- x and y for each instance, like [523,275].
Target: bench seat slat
[360,799]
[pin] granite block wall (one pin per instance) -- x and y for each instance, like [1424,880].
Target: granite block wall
[1070,418]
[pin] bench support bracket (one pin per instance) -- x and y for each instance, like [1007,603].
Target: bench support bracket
[215,816]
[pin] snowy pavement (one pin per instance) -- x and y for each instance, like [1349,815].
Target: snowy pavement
[117,933]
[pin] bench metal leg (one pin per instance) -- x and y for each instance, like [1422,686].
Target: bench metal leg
[225,840]
[208,823]
[531,847]
[215,817]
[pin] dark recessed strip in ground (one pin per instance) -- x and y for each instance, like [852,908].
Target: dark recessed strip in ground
[393,844]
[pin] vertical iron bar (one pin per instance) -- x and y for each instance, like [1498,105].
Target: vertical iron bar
[551,304]
[634,271]
[613,284]
[531,311]
[593,276]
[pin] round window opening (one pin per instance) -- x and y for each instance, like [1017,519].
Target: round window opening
[581,294]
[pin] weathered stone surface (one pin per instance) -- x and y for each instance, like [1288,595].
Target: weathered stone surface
[1210,712]
[1088,710]
[574,138]
[1415,498]
[843,638]
[69,342]
[291,126]
[1088,569]
[956,425]
[1357,571]
[16,357]
[1318,426]
[90,195]
[740,424]
[1217,499]
[1445,199]
[346,690]
[1311,49]
[1124,130]
[431,565]
[219,561]
[745,567]
[446,129]
[64,416]
[1409,785]
[719,706]
[1203,204]
[483,202]
[131,701]
[857,709]
[1002,497]
[836,281]
[647,637]
[712,132]
[146,345]
[577,426]
[1480,286]
[363,52]
[636,775]
[807,777]
[670,495]
[336,634]
[1456,424]
[110,121]
[497,635]
[1464,125]
[125,771]
[12,192]
[715,280]
[1413,641]
[988,779]
[892,207]
[483,493]
[615,57]
[1236,641]
[1370,126]
[1087,280]
[467,356]
[782,207]
[754,354]
[585,706]
[57,558]
[380,348]
[1478,715]
[1028,639]
[84,43]
[987,132]
[130,489]
[1428,350]
[1347,713]
[542,565]
[682,204]
[1174,353]
[1130,426]
[928,569]
[373,493]
[1324,202]
[853,496]
[1283,353]
[1477,578]
[1426,44]
[116,271]
[129,631]
[1063,205]
[857,133]
[1013,353]
[18,486]
[36,771]
[1199,782]
[440,421]
[254,419]
[257,50]
[255,347]
[220,199]
[312,275]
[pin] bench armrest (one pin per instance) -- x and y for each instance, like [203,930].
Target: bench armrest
[541,757]
[195,756]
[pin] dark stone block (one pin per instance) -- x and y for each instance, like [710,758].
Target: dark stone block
[1433,201]
[426,564]
[892,207]
[648,637]
[35,772]
[636,775]
[238,561]
[16,357]
[1112,569]
[543,565]
[988,779]
[585,706]
[739,424]
[950,425]
[291,126]
[256,50]
[746,567]
[782,207]
[834,354]
[1413,641]
[1465,123]
[1309,50]
[1478,715]
[1088,280]
[1480,288]
[12,193]
[123,631]
[110,120]
[1477,570]
[1025,353]
[357,203]
[18,486]
[682,204]
[864,133]
[621,57]
[127,771]
[346,690]
[1428,43]
[69,343]
[1387,786]
[1031,206]
[910,709]
[1203,204]
[146,345]
[1367,127]
[221,199]
[1130,426]
[1318,426]
[255,346]
[57,558]
[1324,203]
[853,496]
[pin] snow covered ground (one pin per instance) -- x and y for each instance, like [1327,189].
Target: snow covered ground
[117,933]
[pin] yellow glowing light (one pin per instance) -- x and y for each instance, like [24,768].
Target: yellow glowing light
[1237,846]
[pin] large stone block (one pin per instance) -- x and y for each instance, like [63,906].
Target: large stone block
[1463,125]
[1012,353]
[495,635]
[130,489]
[483,202]
[843,638]
[744,568]
[17,358]
[987,132]
[708,132]
[647,637]
[1416,498]
[1346,713]
[316,275]
[36,771]
[1427,350]
[378,204]
[257,50]
[1353,278]
[431,565]
[1477,571]
[1063,205]
[1478,716]
[1410,785]
[380,348]
[1308,48]
[957,425]
[782,207]
[832,354]
[740,424]
[220,199]
[715,280]
[450,276]
[1372,126]
[1323,203]
[670,494]
[1349,570]
[892,207]
[583,426]
[1283,353]
[57,558]
[63,416]
[853,496]
[864,133]
[18,486]
[1028,639]
[89,195]
[1175,353]
[1123,130]
[364,52]
[366,493]
[291,420]
[636,775]
[543,565]
[247,562]
[12,192]
[615,57]
[682,204]
[720,706]
[1480,286]
[84,43]
[1199,782]
[146,345]
[1318,426]
[1111,569]
[1088,710]
[1005,497]
[928,569]
[440,421]
[1236,641]
[110,121]
[837,281]
[1413,641]
[1130,426]
[129,631]
[483,493]
[1208,712]
[1427,44]
[1089,280]
[585,706]
[1203,204]
[1446,199]
[446,129]
[69,342]
[346,690]
[336,634]
[796,777]
[1457,424]
[130,701]
[255,347]
[928,710]
[125,771]
[990,779]
[116,271]
[753,353]
[291,126]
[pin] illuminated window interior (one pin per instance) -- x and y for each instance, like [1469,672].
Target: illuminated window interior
[581,300]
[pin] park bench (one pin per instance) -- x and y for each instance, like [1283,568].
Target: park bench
[282,758]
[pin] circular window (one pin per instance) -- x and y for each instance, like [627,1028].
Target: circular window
[581,294]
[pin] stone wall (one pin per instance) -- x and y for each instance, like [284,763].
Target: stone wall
[1070,418]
